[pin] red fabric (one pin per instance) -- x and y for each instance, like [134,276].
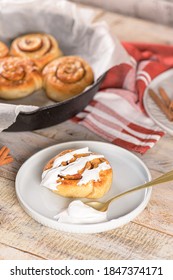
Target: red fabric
[127,83]
[159,58]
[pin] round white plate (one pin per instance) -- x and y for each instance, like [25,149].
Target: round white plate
[164,80]
[42,204]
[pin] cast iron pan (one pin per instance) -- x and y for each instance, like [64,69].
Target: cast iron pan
[57,113]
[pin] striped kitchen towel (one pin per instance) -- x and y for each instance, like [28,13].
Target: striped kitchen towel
[116,113]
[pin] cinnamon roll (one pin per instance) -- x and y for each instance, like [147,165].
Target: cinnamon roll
[19,77]
[66,77]
[42,48]
[78,173]
[3,50]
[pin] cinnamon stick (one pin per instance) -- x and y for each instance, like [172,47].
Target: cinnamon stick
[164,96]
[171,106]
[161,105]
[4,151]
[6,161]
[5,158]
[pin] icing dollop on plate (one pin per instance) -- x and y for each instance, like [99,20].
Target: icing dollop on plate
[79,213]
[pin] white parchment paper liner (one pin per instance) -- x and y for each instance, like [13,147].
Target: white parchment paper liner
[71,26]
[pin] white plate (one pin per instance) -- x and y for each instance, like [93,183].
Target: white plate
[164,80]
[42,204]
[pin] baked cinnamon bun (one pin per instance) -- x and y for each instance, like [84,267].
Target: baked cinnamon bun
[66,77]
[3,50]
[78,174]
[42,48]
[19,77]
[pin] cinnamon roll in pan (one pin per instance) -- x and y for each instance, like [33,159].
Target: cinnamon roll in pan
[19,77]
[3,50]
[78,174]
[66,77]
[42,48]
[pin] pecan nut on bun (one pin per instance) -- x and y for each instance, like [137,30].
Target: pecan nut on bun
[66,77]
[42,48]
[78,174]
[19,77]
[3,50]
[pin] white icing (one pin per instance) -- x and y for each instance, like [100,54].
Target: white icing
[93,174]
[77,165]
[69,156]
[49,179]
[50,176]
[79,213]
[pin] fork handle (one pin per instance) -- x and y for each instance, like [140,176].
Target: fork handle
[167,177]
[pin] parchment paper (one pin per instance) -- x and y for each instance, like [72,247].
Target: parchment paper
[71,26]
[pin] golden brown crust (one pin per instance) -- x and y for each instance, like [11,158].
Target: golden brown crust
[19,77]
[93,189]
[66,77]
[41,48]
[3,50]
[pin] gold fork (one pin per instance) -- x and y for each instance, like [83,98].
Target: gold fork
[103,206]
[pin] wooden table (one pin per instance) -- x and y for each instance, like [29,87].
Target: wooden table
[149,236]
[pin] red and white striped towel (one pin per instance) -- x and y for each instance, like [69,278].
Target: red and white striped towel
[116,113]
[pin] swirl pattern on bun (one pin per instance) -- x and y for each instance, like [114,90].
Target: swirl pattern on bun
[3,50]
[66,77]
[42,48]
[19,77]
[78,173]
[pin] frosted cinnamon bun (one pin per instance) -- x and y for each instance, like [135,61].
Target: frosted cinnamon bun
[19,77]
[66,77]
[42,48]
[78,174]
[3,50]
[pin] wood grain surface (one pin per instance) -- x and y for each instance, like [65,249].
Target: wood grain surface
[134,241]
[149,236]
